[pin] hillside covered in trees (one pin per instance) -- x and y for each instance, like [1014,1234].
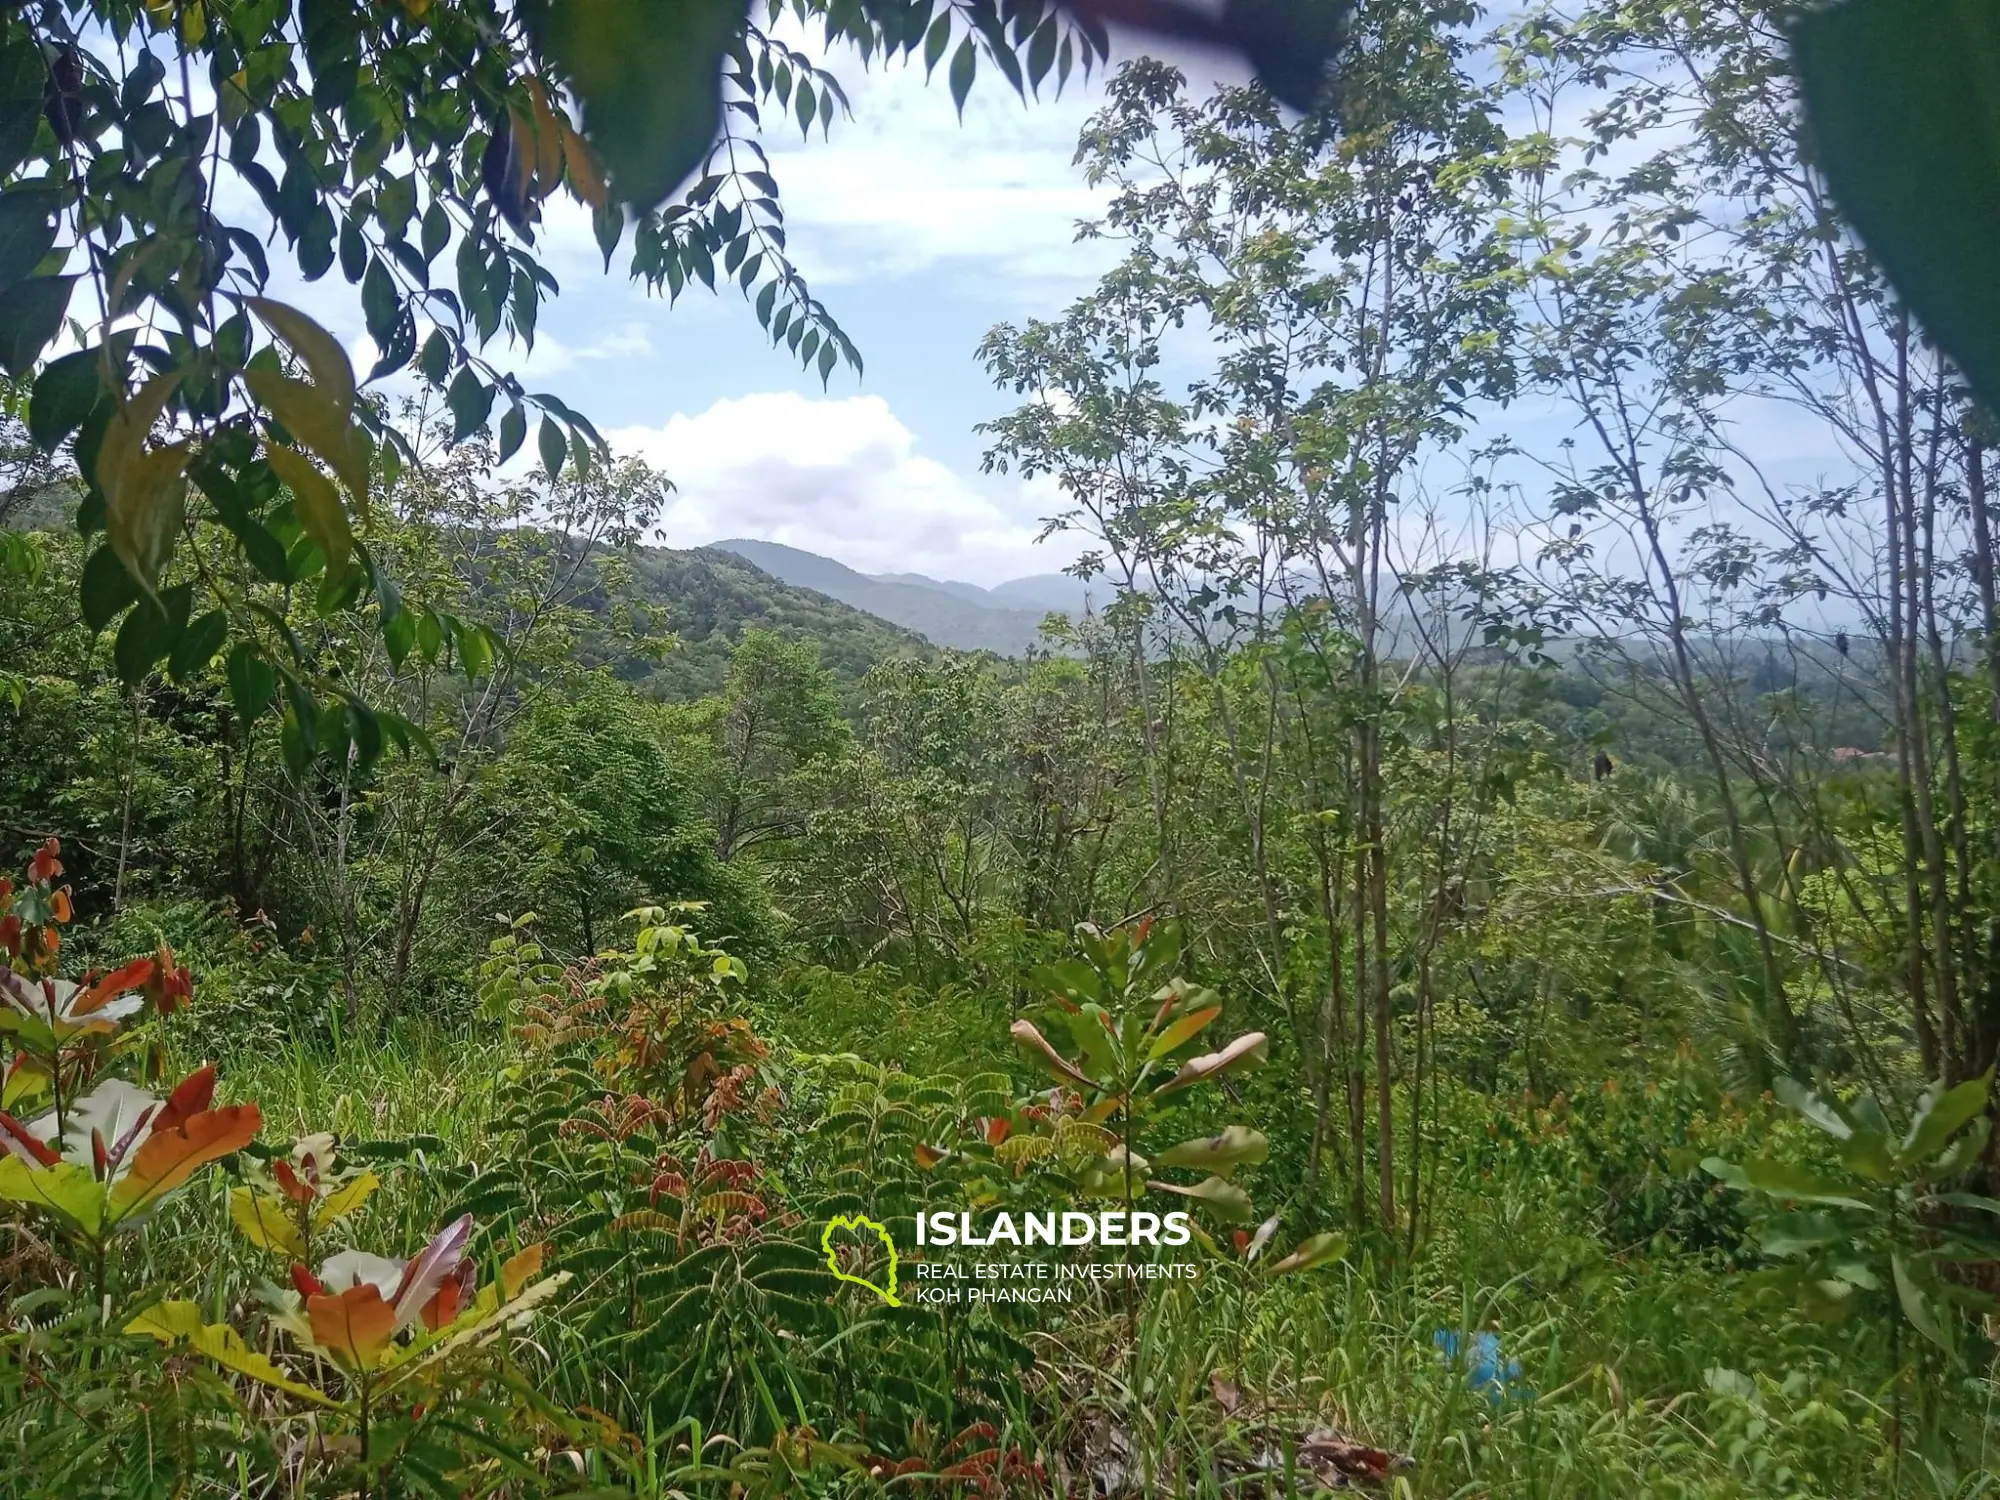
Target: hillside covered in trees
[1476,972]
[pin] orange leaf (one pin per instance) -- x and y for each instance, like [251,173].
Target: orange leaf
[112,985]
[44,867]
[354,1327]
[170,1157]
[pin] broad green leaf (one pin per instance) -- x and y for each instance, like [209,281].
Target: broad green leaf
[252,683]
[513,431]
[1314,1251]
[650,80]
[1941,1111]
[1235,1146]
[107,588]
[27,231]
[1788,1234]
[1803,1101]
[1903,110]
[62,397]
[198,645]
[1917,1303]
[1783,1180]
[1225,1199]
[964,64]
[65,1190]
[554,448]
[31,314]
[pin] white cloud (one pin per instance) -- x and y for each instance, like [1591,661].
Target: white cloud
[840,477]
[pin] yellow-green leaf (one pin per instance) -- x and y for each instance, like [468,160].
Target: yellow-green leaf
[319,350]
[313,416]
[178,1324]
[266,1223]
[66,1190]
[345,1199]
[144,491]
[316,502]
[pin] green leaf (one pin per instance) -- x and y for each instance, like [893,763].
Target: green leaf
[62,397]
[252,683]
[513,431]
[1802,1101]
[650,81]
[1788,1234]
[1236,1145]
[936,39]
[107,588]
[435,361]
[27,231]
[31,313]
[1903,109]
[470,400]
[1311,1253]
[1916,1303]
[150,633]
[198,644]
[380,305]
[1783,1180]
[554,448]
[23,76]
[1939,1114]
[436,233]
[964,64]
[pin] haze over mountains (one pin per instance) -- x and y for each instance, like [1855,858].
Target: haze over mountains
[1005,619]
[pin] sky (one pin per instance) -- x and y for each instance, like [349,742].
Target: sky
[919,233]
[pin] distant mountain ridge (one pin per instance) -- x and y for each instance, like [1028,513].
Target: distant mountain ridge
[1005,620]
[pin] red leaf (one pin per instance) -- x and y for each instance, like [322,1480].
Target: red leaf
[190,1097]
[45,867]
[308,1285]
[15,1140]
[112,985]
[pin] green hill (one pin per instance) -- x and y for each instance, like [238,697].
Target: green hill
[708,598]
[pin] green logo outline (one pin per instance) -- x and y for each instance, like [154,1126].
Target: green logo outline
[859,1222]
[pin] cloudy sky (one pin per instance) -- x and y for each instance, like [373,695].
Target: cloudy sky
[919,233]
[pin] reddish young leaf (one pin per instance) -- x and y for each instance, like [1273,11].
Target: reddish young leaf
[190,1097]
[15,1141]
[111,986]
[307,1284]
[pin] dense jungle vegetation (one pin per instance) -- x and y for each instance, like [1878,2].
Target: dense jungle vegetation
[1536,905]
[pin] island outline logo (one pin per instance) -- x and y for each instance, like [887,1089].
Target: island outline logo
[858,1223]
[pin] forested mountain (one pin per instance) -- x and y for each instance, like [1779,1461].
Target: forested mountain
[707,597]
[945,614]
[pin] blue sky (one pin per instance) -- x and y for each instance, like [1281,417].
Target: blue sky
[919,233]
